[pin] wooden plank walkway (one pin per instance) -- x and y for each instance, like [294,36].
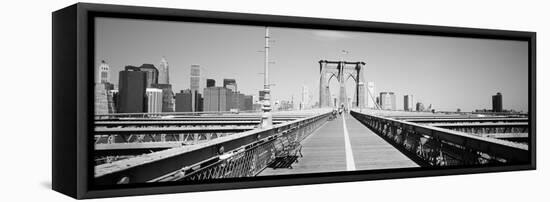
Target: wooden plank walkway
[372,152]
[326,150]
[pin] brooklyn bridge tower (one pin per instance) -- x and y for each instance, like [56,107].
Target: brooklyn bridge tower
[342,71]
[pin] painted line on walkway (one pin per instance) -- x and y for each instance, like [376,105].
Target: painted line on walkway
[350,163]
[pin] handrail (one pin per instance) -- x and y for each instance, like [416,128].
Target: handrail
[176,123]
[461,120]
[150,166]
[439,146]
[168,130]
[454,125]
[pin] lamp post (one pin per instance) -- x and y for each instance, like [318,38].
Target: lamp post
[267,118]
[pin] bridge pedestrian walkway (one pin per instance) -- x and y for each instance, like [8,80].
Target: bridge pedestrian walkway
[344,144]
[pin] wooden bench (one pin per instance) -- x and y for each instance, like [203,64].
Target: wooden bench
[287,151]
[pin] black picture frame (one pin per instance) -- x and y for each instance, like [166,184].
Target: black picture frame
[72,70]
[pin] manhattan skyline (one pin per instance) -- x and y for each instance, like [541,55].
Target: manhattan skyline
[447,72]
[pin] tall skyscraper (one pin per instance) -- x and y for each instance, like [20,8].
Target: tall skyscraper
[154,100]
[164,72]
[497,102]
[210,83]
[195,77]
[371,95]
[408,104]
[387,100]
[152,74]
[230,84]
[195,82]
[304,103]
[132,84]
[103,73]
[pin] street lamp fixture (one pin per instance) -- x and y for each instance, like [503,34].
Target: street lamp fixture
[267,118]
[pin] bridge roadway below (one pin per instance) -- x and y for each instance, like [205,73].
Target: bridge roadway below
[344,144]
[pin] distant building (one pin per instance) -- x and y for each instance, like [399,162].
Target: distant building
[387,100]
[103,99]
[184,101]
[248,103]
[195,77]
[419,107]
[285,105]
[497,102]
[195,81]
[164,72]
[154,100]
[429,108]
[256,107]
[168,101]
[304,103]
[371,95]
[236,100]
[240,102]
[217,99]
[131,96]
[408,104]
[261,94]
[210,83]
[230,84]
[113,102]
[152,74]
[103,73]
[199,100]
[255,98]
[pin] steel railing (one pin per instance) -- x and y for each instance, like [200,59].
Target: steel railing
[433,146]
[239,155]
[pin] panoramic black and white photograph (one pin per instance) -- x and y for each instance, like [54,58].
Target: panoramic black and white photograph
[194,102]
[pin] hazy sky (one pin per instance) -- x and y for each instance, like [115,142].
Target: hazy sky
[447,72]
